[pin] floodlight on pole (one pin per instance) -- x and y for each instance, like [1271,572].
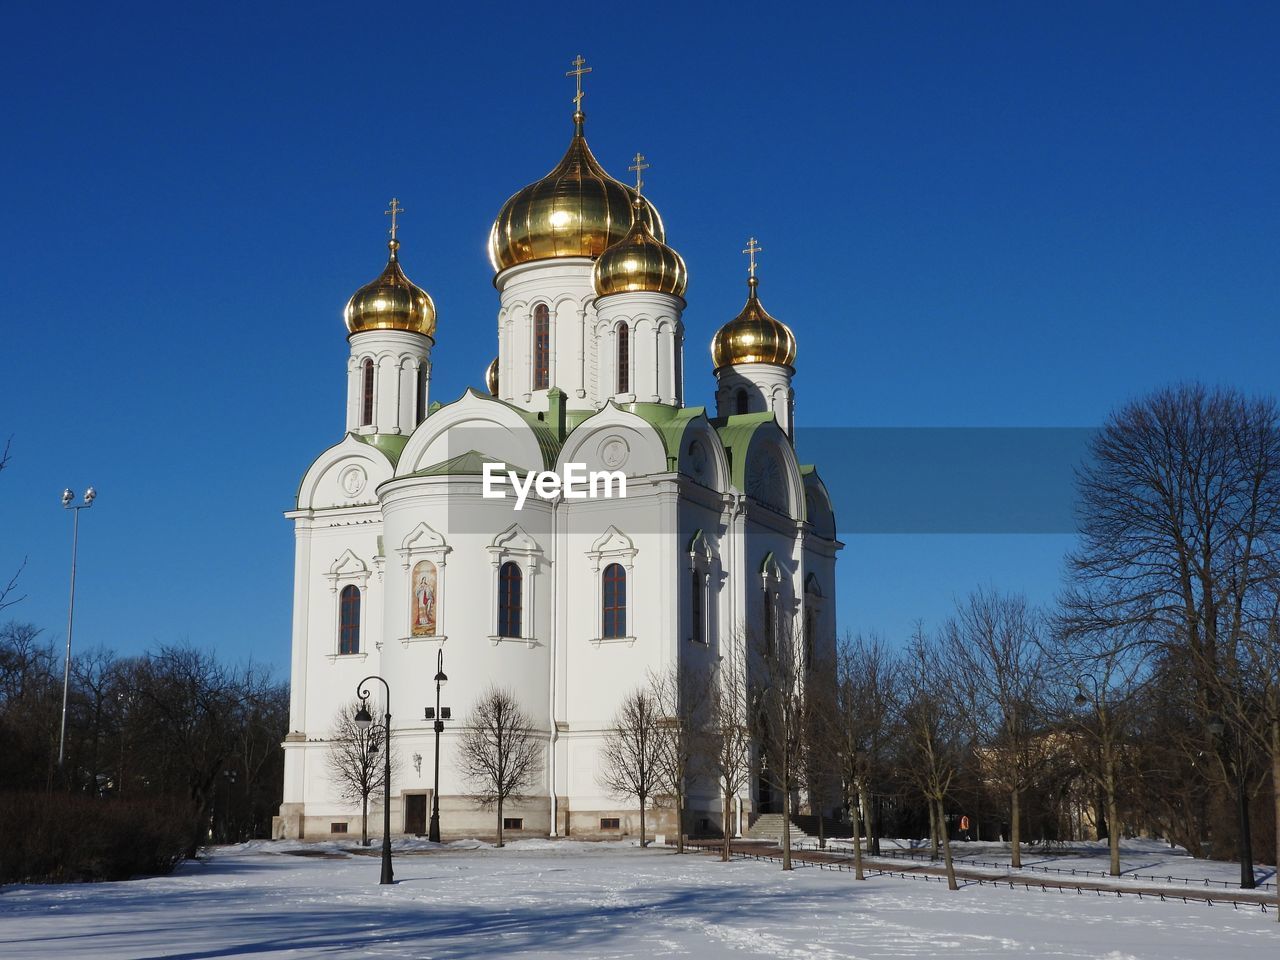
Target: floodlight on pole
[68,496]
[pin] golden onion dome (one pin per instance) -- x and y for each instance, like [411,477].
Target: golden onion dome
[391,302]
[753,336]
[491,377]
[640,262]
[576,210]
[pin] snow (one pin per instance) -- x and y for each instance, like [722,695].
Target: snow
[545,898]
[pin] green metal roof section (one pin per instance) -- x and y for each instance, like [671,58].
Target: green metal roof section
[736,433]
[548,443]
[469,464]
[391,445]
[670,423]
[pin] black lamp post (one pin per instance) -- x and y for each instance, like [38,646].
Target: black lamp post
[1217,728]
[439,715]
[364,720]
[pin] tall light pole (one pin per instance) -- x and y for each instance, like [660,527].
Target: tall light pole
[364,720]
[439,715]
[68,496]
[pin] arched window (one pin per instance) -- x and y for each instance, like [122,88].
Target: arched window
[614,607]
[366,405]
[541,346]
[695,588]
[349,620]
[742,402]
[422,393]
[624,360]
[510,601]
[768,622]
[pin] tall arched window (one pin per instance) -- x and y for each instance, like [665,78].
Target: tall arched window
[366,404]
[742,402]
[614,606]
[768,622]
[695,593]
[624,360]
[422,393]
[510,600]
[541,346]
[349,620]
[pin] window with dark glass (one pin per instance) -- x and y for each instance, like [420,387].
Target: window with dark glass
[742,402]
[624,360]
[422,393]
[615,601]
[366,406]
[541,346]
[695,587]
[510,601]
[349,620]
[768,622]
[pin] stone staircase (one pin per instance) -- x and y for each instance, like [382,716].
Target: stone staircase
[768,826]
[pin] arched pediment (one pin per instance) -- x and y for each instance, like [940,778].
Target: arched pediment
[422,537]
[345,475]
[818,509]
[702,455]
[514,539]
[480,423]
[615,439]
[613,540]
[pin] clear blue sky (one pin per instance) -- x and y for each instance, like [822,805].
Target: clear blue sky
[973,215]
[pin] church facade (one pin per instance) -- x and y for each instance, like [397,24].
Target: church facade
[403,551]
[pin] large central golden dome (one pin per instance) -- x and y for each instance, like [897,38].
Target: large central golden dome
[576,210]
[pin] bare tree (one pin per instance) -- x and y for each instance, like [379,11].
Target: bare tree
[499,752]
[780,715]
[994,643]
[7,599]
[354,761]
[866,701]
[729,744]
[633,751]
[931,719]
[1180,527]
[681,695]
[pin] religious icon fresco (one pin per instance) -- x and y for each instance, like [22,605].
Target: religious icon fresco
[423,614]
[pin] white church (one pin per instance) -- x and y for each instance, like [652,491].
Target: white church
[569,603]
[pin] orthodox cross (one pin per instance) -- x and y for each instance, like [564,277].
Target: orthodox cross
[752,249]
[639,167]
[577,72]
[395,211]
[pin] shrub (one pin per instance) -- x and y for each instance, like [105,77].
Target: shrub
[56,838]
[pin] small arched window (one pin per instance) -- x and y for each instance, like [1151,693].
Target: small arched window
[695,592]
[422,393]
[510,600]
[366,403]
[349,620]
[624,360]
[541,346]
[614,606]
[742,402]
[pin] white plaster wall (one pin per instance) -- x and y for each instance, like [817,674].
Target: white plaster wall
[768,387]
[397,356]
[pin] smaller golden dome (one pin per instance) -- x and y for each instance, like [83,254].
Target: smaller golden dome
[391,302]
[640,262]
[491,377]
[753,336]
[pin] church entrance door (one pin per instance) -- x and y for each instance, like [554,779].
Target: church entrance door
[415,813]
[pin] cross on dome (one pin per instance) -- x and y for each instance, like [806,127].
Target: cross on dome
[393,212]
[577,72]
[639,166]
[751,250]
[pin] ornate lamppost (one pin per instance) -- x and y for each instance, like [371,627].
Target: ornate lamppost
[439,715]
[67,496]
[364,720]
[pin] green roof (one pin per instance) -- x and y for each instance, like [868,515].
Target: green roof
[736,433]
[469,464]
[390,444]
[669,421]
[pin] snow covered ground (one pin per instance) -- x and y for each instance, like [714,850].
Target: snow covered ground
[566,899]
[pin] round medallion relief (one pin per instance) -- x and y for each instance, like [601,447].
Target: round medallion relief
[614,452]
[698,458]
[352,480]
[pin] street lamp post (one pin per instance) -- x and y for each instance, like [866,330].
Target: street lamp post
[439,715]
[67,497]
[364,720]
